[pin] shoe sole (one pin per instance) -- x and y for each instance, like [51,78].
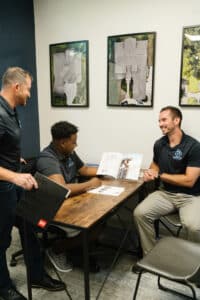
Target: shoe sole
[57,268]
[37,286]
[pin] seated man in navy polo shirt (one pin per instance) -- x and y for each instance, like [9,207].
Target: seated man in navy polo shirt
[176,165]
[59,162]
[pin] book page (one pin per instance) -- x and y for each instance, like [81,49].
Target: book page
[110,164]
[107,190]
[130,166]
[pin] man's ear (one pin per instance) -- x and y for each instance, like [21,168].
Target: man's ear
[16,86]
[177,120]
[62,142]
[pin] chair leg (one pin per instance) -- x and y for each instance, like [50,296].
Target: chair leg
[164,288]
[156,227]
[13,261]
[137,285]
[178,231]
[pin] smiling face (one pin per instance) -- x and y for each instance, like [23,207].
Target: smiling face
[168,123]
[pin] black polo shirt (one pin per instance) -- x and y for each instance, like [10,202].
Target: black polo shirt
[51,162]
[175,160]
[9,137]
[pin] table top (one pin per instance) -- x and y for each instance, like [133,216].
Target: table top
[86,209]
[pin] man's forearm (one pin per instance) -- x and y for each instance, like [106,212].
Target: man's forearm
[7,175]
[177,179]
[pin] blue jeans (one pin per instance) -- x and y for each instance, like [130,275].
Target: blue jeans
[9,196]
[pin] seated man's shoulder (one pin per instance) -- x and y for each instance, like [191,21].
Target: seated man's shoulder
[47,153]
[45,158]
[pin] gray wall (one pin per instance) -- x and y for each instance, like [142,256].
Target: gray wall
[17,48]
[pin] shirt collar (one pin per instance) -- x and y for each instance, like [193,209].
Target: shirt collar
[60,156]
[7,107]
[166,139]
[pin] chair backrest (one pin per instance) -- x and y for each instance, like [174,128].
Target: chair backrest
[29,166]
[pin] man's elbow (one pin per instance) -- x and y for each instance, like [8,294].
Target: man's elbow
[190,183]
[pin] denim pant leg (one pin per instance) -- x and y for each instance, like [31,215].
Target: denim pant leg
[33,256]
[8,201]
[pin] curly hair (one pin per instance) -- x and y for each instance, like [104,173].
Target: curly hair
[63,129]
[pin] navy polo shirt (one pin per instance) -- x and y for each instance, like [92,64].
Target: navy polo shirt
[51,162]
[175,160]
[9,137]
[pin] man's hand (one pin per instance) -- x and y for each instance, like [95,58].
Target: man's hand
[93,183]
[25,180]
[150,174]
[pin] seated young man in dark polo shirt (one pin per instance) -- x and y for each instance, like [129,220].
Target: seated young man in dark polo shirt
[59,162]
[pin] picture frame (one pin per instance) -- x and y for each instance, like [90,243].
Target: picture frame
[130,69]
[69,74]
[189,90]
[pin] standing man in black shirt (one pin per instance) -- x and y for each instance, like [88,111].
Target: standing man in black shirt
[16,86]
[176,163]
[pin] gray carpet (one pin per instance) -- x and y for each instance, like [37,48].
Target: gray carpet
[120,284]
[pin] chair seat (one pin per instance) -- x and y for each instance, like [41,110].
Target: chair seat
[173,258]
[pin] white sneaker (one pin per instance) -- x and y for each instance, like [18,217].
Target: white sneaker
[59,261]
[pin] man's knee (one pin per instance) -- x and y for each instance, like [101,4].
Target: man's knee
[138,212]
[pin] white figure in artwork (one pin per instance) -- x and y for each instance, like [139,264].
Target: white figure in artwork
[131,63]
[71,74]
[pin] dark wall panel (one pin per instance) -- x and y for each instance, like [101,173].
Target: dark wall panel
[17,48]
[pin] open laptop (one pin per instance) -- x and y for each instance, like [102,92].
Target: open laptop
[39,206]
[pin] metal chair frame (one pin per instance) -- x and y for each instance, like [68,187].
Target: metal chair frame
[187,271]
[170,219]
[164,288]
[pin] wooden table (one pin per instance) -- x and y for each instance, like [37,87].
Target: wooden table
[86,210]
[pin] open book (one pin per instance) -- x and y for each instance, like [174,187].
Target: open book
[120,166]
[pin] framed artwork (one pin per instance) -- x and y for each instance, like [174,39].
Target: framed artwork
[69,74]
[189,92]
[130,69]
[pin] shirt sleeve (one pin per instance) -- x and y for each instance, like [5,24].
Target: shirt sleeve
[194,156]
[48,166]
[2,128]
[156,150]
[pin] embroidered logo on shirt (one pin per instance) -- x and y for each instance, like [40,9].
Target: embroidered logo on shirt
[177,155]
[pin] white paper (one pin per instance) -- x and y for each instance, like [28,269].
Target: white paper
[107,190]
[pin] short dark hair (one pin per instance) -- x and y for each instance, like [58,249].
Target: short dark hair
[175,111]
[63,130]
[15,74]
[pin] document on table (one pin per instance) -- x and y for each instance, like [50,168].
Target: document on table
[107,190]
